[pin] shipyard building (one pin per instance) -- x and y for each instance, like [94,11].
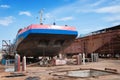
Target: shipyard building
[106,42]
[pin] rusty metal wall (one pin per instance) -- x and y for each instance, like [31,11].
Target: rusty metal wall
[104,42]
[74,48]
[97,42]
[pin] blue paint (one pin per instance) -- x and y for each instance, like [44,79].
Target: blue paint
[46,31]
[3,61]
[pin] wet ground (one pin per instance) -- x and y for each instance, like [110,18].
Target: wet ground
[46,73]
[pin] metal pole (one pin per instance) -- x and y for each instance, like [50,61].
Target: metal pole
[92,59]
[17,62]
[97,56]
[83,58]
[79,59]
[41,15]
[24,64]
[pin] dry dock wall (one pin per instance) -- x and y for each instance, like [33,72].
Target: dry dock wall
[106,42]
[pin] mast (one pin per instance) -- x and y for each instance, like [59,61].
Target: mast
[41,15]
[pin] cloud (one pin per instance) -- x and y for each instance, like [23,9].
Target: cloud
[100,6]
[116,23]
[6,20]
[80,6]
[27,13]
[97,9]
[97,3]
[114,2]
[108,9]
[4,6]
[112,18]
[113,9]
[65,18]
[65,10]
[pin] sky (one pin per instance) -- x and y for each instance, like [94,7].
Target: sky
[86,15]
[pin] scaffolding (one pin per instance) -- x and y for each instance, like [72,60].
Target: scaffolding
[6,47]
[106,42]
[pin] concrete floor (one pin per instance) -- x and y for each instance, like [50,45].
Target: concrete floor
[43,73]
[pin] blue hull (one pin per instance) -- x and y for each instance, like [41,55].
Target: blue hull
[43,42]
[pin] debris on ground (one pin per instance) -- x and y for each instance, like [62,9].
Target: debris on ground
[15,75]
[33,78]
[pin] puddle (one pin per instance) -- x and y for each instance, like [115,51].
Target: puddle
[87,73]
[83,73]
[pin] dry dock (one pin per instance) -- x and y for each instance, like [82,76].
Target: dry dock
[47,73]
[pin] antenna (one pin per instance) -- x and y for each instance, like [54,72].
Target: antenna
[54,22]
[41,15]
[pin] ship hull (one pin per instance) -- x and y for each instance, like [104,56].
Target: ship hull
[43,42]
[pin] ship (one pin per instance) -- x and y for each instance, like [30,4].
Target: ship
[43,40]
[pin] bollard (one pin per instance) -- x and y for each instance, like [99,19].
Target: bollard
[60,56]
[79,59]
[92,59]
[24,64]
[97,57]
[17,62]
[15,65]
[83,58]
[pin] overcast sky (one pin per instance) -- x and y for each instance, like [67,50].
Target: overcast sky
[85,15]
